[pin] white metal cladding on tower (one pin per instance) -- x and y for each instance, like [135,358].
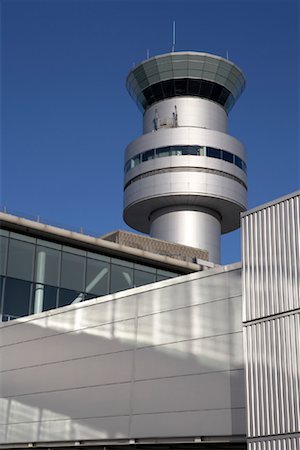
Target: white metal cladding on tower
[185,177]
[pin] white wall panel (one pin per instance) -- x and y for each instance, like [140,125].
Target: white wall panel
[162,360]
[113,337]
[102,369]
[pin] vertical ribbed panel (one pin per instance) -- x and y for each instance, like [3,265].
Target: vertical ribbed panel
[271,253]
[273,376]
[290,443]
[271,315]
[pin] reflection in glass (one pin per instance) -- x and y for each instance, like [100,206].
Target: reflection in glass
[121,278]
[3,254]
[179,150]
[72,271]
[227,156]
[44,298]
[16,298]
[47,265]
[97,277]
[68,296]
[141,278]
[213,152]
[20,259]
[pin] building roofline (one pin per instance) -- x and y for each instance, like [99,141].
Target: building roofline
[96,243]
[271,203]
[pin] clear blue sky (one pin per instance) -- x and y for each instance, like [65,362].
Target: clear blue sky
[67,117]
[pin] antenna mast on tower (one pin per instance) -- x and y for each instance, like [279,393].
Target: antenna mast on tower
[174,36]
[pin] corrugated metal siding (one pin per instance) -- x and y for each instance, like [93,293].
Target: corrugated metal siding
[273,376]
[290,443]
[271,302]
[271,253]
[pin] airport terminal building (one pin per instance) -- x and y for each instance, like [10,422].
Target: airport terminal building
[129,341]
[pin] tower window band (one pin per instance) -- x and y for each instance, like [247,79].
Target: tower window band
[188,86]
[184,150]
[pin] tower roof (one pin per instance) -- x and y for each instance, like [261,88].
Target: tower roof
[185,74]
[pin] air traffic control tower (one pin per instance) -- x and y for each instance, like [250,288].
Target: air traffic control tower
[185,177]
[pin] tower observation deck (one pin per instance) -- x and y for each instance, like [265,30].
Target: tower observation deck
[185,177]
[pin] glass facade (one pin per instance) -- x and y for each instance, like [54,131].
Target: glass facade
[191,87]
[184,150]
[38,275]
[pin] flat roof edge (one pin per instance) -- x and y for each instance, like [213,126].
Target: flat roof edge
[113,248]
[271,203]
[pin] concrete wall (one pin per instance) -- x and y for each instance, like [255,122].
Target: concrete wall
[271,314]
[158,361]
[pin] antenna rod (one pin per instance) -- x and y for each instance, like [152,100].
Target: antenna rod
[174,36]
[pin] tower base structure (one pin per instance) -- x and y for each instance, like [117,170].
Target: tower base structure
[195,226]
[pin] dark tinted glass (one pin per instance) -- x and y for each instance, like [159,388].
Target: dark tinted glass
[223,96]
[67,296]
[141,278]
[163,151]
[165,274]
[238,162]
[213,152]
[206,89]
[149,154]
[47,265]
[20,259]
[16,298]
[227,156]
[193,87]
[72,271]
[168,88]
[97,277]
[148,95]
[157,91]
[190,150]
[127,166]
[176,150]
[216,92]
[43,298]
[3,254]
[1,286]
[188,86]
[181,86]
[121,278]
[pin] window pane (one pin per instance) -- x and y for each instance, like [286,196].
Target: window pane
[149,154]
[1,286]
[227,156]
[16,298]
[121,278]
[238,162]
[97,278]
[165,274]
[47,265]
[176,150]
[135,160]
[72,271]
[213,152]
[3,254]
[141,278]
[20,259]
[67,296]
[164,151]
[181,86]
[43,298]
[168,88]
